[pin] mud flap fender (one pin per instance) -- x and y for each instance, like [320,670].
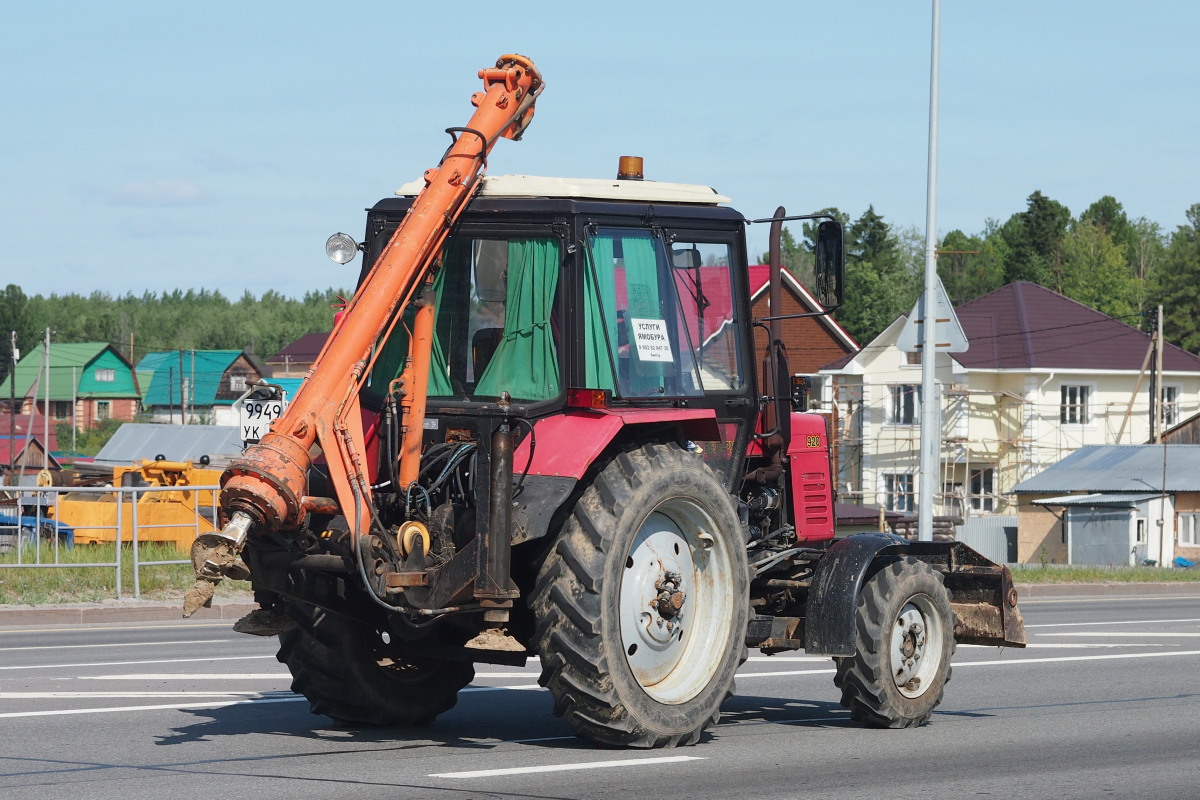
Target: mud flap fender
[833,597]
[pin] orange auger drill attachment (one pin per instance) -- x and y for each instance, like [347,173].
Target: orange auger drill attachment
[265,489]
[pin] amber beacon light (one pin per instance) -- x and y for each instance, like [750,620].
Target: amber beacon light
[629,168]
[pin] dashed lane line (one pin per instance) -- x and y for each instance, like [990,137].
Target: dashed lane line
[206,660]
[61,712]
[101,627]
[1127,634]
[115,695]
[113,644]
[534,687]
[1110,622]
[626,762]
[190,676]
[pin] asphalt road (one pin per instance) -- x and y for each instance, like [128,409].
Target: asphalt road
[1105,702]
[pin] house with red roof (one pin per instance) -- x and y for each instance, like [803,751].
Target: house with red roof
[811,341]
[1042,377]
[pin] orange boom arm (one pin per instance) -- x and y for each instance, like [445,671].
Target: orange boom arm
[266,488]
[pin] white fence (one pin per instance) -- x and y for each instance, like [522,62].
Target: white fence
[40,527]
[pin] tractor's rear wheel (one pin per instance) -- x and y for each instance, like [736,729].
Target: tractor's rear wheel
[350,672]
[905,640]
[641,606]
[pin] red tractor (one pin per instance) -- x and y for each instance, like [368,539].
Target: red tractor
[538,428]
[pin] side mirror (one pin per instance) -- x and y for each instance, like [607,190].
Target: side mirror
[829,265]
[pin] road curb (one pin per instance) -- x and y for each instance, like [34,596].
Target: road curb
[118,611]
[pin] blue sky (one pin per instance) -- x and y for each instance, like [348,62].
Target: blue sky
[161,145]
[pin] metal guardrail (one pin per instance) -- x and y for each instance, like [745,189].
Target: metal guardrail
[37,519]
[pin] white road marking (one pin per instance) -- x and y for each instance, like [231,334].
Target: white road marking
[788,674]
[255,697]
[111,695]
[1106,657]
[1110,622]
[104,627]
[206,660]
[628,762]
[127,644]
[168,706]
[999,662]
[1074,645]
[501,674]
[788,658]
[1133,634]
[181,676]
[1125,601]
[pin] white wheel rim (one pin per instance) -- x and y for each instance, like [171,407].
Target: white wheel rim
[916,646]
[675,648]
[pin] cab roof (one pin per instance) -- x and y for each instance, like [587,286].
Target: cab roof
[587,189]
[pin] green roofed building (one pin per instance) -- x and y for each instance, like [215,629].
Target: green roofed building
[89,382]
[200,385]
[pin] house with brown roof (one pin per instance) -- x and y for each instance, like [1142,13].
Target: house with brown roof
[295,359]
[1043,376]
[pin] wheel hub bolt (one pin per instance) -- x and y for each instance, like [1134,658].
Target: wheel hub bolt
[670,599]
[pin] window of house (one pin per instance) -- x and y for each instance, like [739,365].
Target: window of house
[983,489]
[816,391]
[898,492]
[61,409]
[904,404]
[952,499]
[1170,405]
[103,410]
[1073,406]
[1189,529]
[1139,530]
[237,383]
[106,375]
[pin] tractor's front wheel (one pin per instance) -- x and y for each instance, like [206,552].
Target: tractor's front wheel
[352,672]
[905,640]
[641,606]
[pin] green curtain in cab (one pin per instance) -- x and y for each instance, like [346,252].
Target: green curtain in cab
[599,315]
[390,363]
[525,363]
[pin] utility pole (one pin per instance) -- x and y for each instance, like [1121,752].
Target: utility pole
[74,402]
[12,409]
[931,423]
[1158,370]
[46,409]
[182,392]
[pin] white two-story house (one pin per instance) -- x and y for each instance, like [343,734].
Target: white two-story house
[1043,376]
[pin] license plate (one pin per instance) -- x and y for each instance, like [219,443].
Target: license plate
[255,418]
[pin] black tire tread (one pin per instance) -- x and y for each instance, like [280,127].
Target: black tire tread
[864,678]
[333,668]
[576,662]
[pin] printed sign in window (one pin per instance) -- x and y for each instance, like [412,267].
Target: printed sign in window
[650,335]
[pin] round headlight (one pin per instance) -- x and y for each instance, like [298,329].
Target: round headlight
[341,248]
